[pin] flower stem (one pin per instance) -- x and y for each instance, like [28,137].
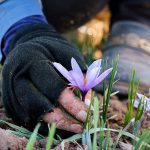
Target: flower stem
[83,96]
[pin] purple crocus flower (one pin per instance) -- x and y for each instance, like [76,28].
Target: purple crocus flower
[146,100]
[83,82]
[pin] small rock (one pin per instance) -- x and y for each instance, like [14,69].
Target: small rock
[125,146]
[10,141]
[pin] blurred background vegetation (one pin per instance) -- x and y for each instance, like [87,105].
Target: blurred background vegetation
[90,37]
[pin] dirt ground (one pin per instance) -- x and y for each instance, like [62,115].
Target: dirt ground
[116,114]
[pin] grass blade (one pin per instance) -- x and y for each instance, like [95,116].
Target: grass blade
[108,95]
[107,141]
[117,140]
[88,113]
[32,139]
[143,139]
[20,131]
[88,140]
[51,134]
[96,117]
[132,90]
[101,138]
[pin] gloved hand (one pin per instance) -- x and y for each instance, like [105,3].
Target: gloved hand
[32,89]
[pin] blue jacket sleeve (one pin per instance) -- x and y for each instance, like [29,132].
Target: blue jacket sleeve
[12,11]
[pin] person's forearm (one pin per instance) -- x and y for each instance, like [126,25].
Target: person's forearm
[14,10]
[30,20]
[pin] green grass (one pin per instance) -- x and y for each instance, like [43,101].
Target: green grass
[101,132]
[96,119]
[20,131]
[132,91]
[108,91]
[144,137]
[32,140]
[51,134]
[97,133]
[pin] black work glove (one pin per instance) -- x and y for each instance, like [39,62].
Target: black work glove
[31,86]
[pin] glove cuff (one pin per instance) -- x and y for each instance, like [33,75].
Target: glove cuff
[14,10]
[129,34]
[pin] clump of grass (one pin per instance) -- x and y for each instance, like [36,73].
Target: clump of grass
[132,91]
[20,131]
[99,122]
[141,109]
[144,138]
[33,136]
[88,47]
[102,136]
[108,91]
[97,134]
[139,117]
[130,120]
[32,140]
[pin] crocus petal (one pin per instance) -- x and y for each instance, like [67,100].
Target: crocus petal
[148,104]
[76,68]
[95,64]
[147,100]
[142,96]
[77,80]
[139,95]
[136,103]
[148,113]
[102,77]
[63,71]
[91,77]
